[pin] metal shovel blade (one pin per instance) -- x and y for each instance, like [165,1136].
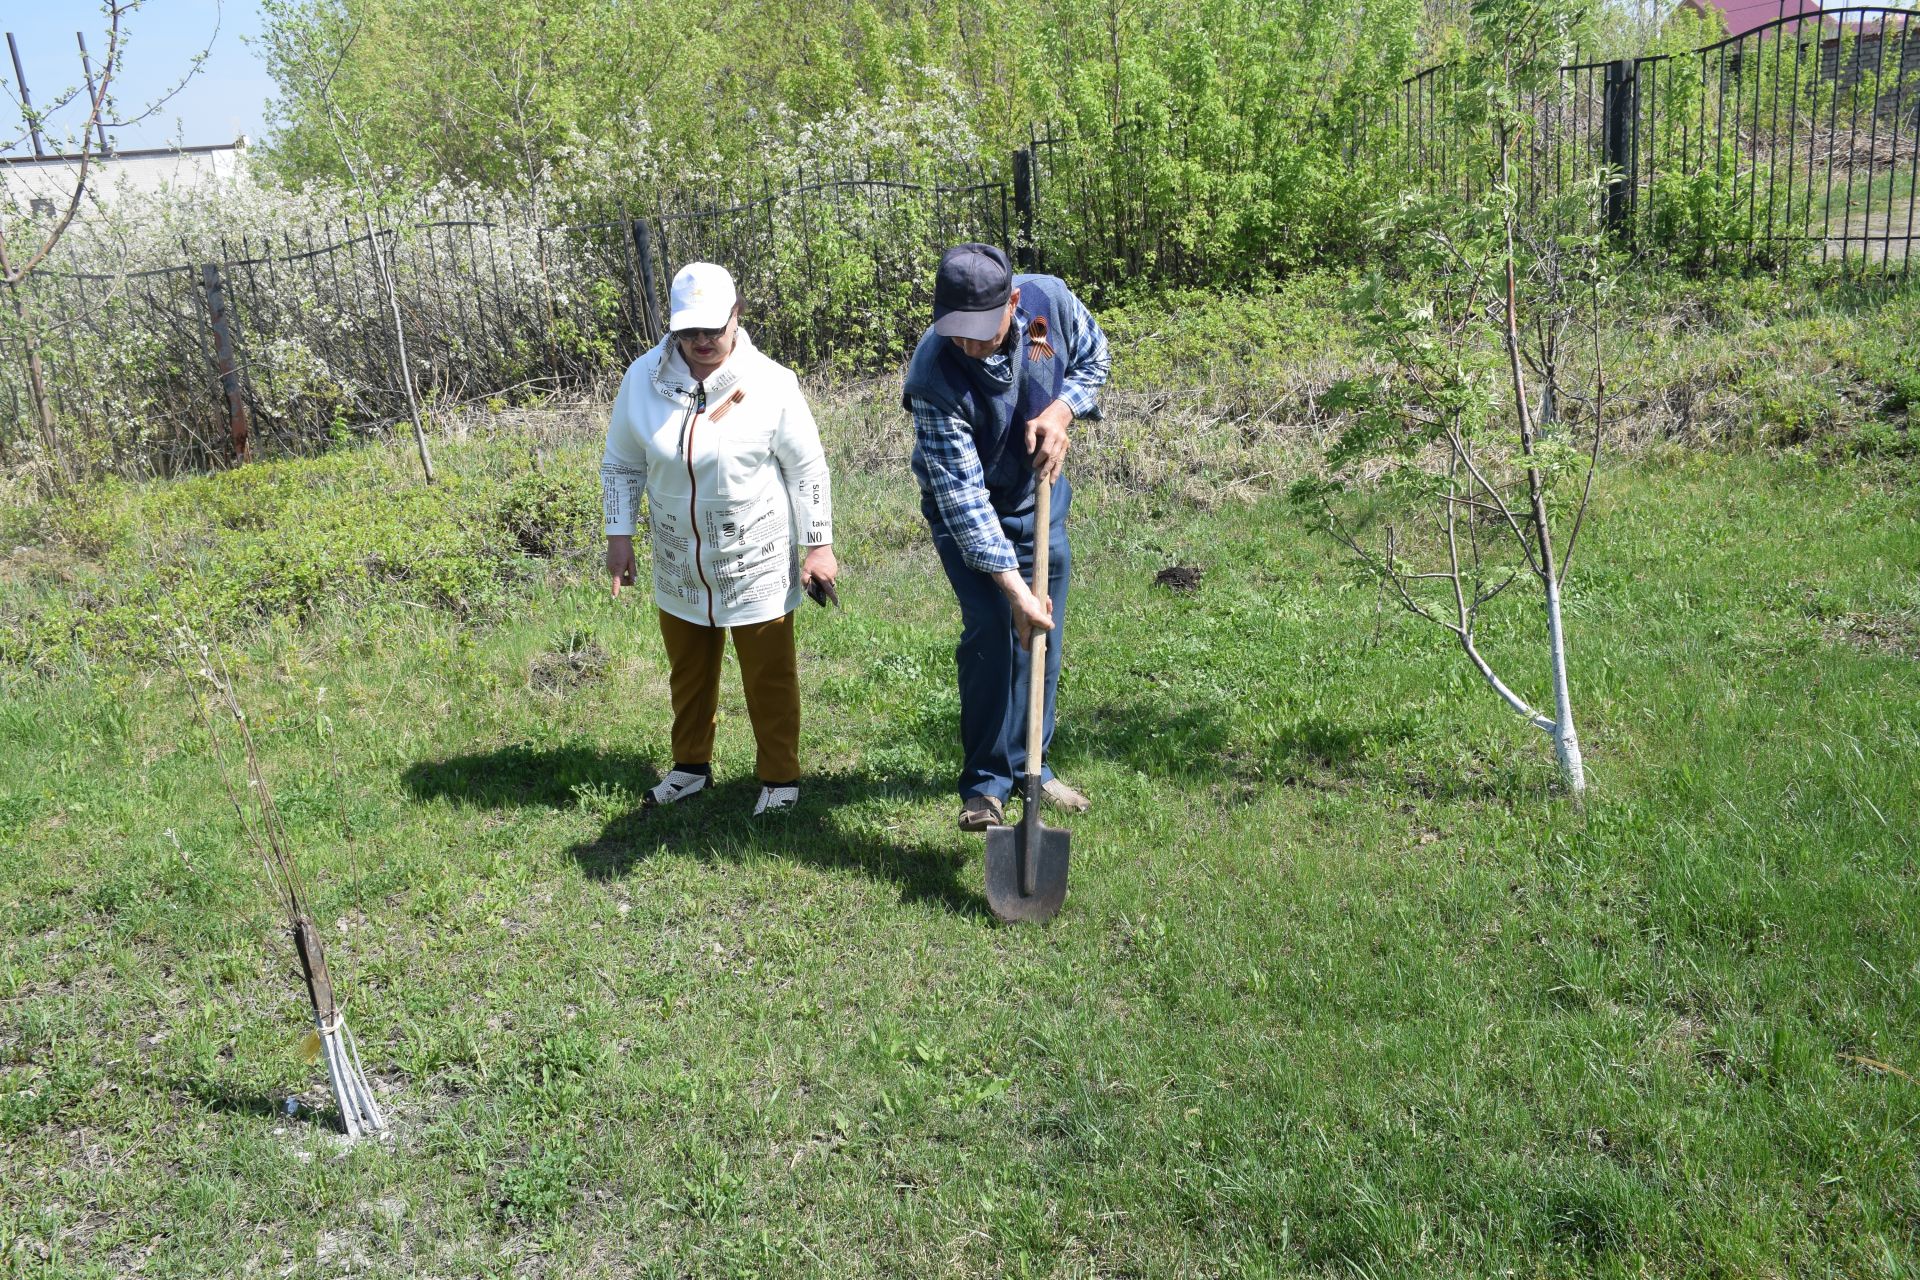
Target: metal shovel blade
[1026,869]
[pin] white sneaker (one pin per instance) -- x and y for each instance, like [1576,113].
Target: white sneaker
[674,787]
[774,799]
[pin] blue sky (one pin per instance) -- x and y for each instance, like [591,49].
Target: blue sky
[227,97]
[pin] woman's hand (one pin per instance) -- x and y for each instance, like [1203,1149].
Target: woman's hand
[620,564]
[819,567]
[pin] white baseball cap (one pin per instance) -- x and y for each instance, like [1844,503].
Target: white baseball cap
[702,298]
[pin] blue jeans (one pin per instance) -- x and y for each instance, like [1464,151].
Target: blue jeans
[995,672]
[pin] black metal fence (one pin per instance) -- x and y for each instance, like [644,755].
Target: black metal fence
[286,342]
[836,270]
[1798,140]
[1175,197]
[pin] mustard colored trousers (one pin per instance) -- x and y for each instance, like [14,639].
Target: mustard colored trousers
[769,673]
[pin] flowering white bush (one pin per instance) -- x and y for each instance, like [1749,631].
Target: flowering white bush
[832,237]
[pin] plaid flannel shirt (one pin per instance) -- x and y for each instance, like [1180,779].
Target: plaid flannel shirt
[949,466]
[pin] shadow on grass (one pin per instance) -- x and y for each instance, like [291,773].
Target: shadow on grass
[1482,780]
[1199,743]
[1162,735]
[715,826]
[1151,738]
[525,776]
[227,1100]
[1143,735]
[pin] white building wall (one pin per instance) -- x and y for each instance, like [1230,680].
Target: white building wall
[53,179]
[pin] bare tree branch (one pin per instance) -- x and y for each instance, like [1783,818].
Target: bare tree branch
[1599,435]
[197,63]
[1465,455]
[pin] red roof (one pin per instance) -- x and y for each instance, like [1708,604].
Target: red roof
[1745,15]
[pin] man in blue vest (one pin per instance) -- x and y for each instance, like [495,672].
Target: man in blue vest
[1009,362]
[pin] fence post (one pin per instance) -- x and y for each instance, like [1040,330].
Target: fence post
[1026,253]
[1617,105]
[222,325]
[649,310]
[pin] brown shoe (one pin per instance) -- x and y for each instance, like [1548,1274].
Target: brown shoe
[1061,796]
[981,812]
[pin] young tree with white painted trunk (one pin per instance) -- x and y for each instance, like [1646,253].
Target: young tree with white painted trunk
[1467,461]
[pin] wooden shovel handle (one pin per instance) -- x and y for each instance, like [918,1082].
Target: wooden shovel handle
[1037,683]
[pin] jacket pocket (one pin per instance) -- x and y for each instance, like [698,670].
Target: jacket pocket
[674,574]
[748,550]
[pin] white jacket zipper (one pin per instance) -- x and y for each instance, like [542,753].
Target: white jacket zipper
[693,497]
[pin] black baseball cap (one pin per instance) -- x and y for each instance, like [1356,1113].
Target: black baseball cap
[970,291]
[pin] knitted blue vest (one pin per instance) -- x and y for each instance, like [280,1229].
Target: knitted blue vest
[957,384]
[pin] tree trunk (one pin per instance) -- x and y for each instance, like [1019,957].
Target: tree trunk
[399,339]
[42,403]
[1566,740]
[385,270]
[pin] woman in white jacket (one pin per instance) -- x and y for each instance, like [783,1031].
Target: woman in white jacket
[720,441]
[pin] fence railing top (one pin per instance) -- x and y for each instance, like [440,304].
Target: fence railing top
[304,249]
[1828,23]
[147,273]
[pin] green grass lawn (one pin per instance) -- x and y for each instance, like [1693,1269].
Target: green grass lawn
[1869,191]
[1342,985]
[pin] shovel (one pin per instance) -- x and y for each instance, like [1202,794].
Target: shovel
[1027,864]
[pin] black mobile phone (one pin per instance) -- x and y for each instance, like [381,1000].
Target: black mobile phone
[821,593]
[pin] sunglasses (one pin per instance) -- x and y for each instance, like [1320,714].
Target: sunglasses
[699,335]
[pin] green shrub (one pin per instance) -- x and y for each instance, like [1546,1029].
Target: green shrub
[1881,439]
[540,1188]
[244,498]
[227,553]
[90,520]
[1241,341]
[549,514]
